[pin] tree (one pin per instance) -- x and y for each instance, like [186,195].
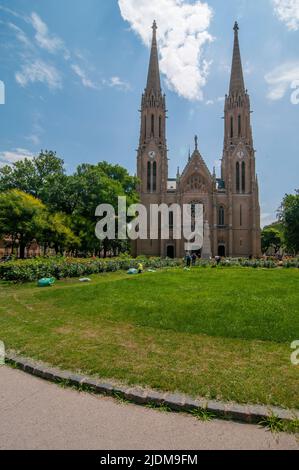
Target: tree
[289,217]
[21,218]
[271,238]
[57,233]
[34,176]
[75,197]
[93,185]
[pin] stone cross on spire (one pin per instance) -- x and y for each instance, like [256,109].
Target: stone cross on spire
[153,79]
[237,78]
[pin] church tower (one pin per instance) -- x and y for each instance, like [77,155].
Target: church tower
[152,163]
[238,165]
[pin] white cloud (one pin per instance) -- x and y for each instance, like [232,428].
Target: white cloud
[39,71]
[21,36]
[113,82]
[281,79]
[86,82]
[12,12]
[116,82]
[288,12]
[182,35]
[34,69]
[13,156]
[46,41]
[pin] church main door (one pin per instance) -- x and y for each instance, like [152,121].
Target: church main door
[170,251]
[221,251]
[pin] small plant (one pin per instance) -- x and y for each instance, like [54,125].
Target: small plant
[202,414]
[293,426]
[120,399]
[163,408]
[63,383]
[273,424]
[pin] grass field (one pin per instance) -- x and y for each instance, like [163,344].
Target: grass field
[219,333]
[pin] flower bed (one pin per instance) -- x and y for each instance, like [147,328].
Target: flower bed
[60,268]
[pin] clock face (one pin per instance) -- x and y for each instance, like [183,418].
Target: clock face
[241,154]
[152,154]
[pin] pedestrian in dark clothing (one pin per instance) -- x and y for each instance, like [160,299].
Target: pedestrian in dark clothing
[188,260]
[194,259]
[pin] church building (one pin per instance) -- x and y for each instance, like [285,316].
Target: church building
[231,202]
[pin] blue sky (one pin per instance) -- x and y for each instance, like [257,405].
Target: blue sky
[74,71]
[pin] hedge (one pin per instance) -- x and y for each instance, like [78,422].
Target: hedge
[60,268]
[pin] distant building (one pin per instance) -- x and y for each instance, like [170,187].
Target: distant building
[231,202]
[32,251]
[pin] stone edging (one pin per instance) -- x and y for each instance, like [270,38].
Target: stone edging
[252,414]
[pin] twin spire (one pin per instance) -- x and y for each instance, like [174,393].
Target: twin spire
[237,79]
[153,79]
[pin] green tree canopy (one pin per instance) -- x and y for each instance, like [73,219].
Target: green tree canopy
[33,176]
[271,238]
[20,218]
[71,200]
[289,217]
[57,233]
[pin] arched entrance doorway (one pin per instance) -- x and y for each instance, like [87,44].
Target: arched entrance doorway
[170,251]
[221,251]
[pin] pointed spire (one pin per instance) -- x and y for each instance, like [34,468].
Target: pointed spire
[196,142]
[237,78]
[153,79]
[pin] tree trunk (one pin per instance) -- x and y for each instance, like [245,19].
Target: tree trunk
[22,250]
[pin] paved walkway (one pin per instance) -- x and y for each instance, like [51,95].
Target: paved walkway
[35,414]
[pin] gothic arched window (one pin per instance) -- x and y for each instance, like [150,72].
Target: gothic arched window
[149,176]
[238,177]
[243,177]
[239,126]
[153,125]
[231,127]
[241,216]
[171,219]
[221,217]
[145,128]
[155,176]
[160,127]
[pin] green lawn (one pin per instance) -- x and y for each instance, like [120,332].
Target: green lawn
[220,333]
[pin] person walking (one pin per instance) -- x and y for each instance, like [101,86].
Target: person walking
[188,260]
[218,260]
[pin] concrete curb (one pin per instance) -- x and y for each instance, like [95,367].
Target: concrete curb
[252,414]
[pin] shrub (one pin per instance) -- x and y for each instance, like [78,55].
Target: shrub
[60,267]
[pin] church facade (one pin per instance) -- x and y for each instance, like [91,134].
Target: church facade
[231,202]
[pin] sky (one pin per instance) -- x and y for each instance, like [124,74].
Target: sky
[74,72]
